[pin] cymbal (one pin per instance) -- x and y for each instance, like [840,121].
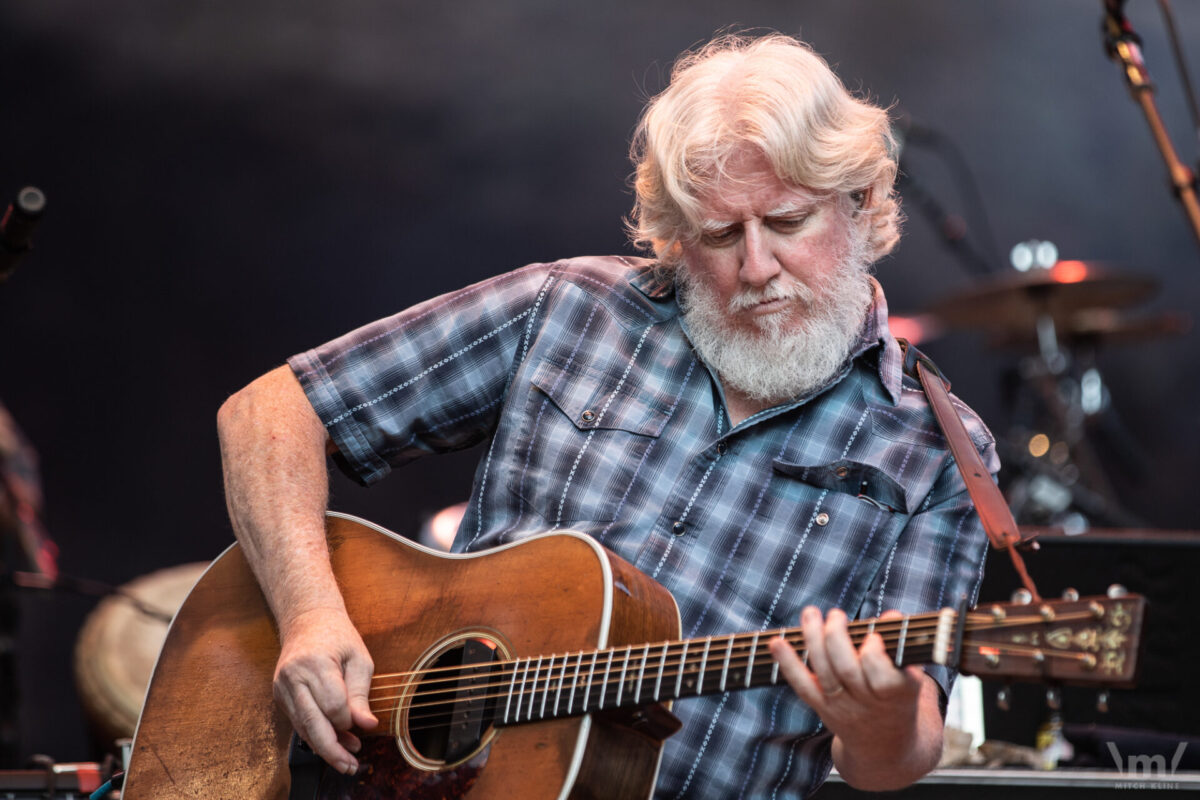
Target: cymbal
[1015,302]
[1102,326]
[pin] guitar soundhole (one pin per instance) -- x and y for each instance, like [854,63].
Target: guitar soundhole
[454,705]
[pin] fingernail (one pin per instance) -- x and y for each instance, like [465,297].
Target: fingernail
[350,768]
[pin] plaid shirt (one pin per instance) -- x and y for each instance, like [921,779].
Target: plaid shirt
[600,417]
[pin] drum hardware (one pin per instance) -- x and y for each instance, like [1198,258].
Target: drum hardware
[1060,315]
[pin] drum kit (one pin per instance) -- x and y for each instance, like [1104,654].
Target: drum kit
[1058,315]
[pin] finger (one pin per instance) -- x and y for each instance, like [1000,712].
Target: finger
[315,728]
[879,666]
[794,672]
[332,699]
[813,625]
[358,687]
[843,658]
[349,741]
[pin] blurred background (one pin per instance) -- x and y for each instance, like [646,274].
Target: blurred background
[230,182]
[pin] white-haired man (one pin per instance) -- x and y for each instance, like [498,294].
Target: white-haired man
[731,417]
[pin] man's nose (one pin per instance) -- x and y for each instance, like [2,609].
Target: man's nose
[759,264]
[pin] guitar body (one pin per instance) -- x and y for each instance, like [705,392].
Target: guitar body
[210,727]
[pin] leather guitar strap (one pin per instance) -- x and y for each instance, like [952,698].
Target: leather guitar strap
[989,502]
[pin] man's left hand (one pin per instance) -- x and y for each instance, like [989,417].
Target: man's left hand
[881,714]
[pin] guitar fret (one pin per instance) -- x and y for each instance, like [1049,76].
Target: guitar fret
[521,691]
[900,646]
[775,667]
[662,663]
[725,666]
[682,665]
[637,697]
[607,670]
[546,691]
[575,683]
[750,662]
[621,683]
[703,664]
[591,672]
[562,677]
[941,640]
[512,685]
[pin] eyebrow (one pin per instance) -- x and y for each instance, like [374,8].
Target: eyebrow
[786,210]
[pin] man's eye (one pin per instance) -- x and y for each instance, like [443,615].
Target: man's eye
[789,224]
[719,237]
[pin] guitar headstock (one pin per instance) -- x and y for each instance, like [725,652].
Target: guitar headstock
[1090,641]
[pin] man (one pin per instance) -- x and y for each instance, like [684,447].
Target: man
[731,418]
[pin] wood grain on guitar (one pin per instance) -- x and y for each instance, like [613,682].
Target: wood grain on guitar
[540,669]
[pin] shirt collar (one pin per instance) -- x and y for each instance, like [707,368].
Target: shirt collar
[654,280]
[876,334]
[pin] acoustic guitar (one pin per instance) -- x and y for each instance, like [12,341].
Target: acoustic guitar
[540,669]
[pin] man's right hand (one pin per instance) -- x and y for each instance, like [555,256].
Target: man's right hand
[322,681]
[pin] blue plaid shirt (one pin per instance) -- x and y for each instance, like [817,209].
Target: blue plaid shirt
[598,416]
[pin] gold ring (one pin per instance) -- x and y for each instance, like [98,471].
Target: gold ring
[836,691]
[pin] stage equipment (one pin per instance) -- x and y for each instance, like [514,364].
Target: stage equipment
[1124,46]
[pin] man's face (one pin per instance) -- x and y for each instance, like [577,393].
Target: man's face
[775,290]
[767,248]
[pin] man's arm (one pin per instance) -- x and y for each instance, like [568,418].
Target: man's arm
[273,449]
[886,721]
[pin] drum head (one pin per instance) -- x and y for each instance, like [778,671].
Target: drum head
[118,646]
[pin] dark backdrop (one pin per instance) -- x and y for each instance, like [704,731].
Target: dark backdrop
[230,182]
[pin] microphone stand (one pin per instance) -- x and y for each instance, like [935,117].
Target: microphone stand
[1124,47]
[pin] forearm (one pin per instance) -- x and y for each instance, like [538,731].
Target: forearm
[896,752]
[273,455]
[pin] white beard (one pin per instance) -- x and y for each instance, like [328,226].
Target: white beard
[789,353]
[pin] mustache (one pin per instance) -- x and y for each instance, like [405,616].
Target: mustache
[778,289]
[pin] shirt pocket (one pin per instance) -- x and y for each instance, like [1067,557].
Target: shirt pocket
[582,447]
[861,481]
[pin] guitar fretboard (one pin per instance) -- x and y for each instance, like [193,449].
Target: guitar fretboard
[549,687]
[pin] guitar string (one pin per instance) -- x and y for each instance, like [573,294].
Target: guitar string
[544,683]
[453,674]
[860,629]
[606,687]
[543,680]
[603,687]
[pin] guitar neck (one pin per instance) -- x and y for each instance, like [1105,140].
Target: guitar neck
[1089,641]
[549,687]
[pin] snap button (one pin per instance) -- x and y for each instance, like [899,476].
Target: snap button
[588,416]
[822,519]
[841,472]
[722,448]
[678,529]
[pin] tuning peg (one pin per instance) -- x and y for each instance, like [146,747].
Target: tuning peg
[1054,699]
[1022,597]
[1004,698]
[1117,591]
[1071,595]
[1102,701]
